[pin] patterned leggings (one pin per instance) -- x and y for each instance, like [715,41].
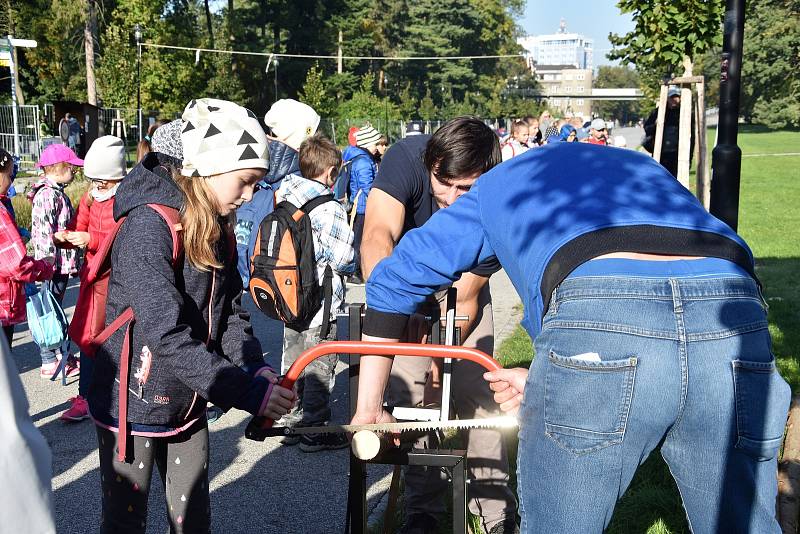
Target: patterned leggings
[182,462]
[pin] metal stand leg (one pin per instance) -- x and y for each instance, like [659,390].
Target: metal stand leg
[454,460]
[357,491]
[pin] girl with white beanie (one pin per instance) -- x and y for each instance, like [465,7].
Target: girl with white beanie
[180,336]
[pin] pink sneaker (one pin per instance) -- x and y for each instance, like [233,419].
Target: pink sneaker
[78,411]
[72,368]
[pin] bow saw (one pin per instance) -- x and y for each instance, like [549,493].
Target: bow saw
[260,428]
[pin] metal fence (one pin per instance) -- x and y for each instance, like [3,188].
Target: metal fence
[337,129]
[28,133]
[122,122]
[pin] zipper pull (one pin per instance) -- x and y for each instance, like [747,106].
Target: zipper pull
[141,390]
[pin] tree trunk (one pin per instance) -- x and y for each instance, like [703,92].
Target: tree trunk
[208,25]
[89,31]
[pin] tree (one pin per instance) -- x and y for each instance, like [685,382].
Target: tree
[618,77]
[427,109]
[669,36]
[770,78]
[314,92]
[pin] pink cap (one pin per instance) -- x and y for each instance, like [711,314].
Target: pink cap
[58,153]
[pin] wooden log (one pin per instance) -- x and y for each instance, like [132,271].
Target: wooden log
[680,80]
[788,505]
[703,175]
[685,136]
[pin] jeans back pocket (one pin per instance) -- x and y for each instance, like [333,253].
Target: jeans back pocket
[762,403]
[587,403]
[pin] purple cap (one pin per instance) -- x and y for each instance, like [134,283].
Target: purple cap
[58,153]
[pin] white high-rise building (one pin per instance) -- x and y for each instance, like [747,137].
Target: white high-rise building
[560,48]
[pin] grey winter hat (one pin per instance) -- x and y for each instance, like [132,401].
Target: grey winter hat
[167,139]
[219,136]
[366,136]
[105,160]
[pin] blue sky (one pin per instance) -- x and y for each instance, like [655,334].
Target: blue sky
[593,18]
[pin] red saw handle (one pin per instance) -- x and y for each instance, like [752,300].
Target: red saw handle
[371,348]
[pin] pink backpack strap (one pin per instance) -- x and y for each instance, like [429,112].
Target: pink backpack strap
[173,219]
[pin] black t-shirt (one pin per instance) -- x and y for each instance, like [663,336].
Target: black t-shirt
[403,176]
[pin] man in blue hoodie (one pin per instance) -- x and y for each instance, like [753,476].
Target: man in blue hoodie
[648,325]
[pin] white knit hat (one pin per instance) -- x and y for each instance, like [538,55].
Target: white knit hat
[220,136]
[105,160]
[292,121]
[366,136]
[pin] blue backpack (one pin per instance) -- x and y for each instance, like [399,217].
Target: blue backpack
[46,319]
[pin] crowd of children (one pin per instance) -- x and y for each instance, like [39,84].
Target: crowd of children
[169,318]
[532,132]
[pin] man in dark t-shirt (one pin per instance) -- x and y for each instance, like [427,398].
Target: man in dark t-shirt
[418,176]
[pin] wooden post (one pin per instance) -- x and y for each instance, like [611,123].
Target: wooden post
[662,112]
[685,136]
[339,54]
[685,127]
[703,175]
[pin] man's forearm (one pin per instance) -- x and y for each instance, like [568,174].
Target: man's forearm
[373,377]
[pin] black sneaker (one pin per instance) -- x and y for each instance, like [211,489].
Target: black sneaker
[213,413]
[420,524]
[355,280]
[321,442]
[290,440]
[507,526]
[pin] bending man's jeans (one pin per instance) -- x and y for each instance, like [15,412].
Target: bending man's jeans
[623,364]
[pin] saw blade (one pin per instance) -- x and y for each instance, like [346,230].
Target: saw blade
[505,421]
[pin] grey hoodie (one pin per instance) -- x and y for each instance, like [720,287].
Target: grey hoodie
[173,368]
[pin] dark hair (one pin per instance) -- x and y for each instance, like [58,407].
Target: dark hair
[462,147]
[317,153]
[6,160]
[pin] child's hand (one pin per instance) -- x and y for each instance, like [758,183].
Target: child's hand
[280,401]
[269,374]
[78,239]
[60,237]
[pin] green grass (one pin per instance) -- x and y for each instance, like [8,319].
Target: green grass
[769,219]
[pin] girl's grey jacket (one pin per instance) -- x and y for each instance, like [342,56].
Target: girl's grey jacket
[191,340]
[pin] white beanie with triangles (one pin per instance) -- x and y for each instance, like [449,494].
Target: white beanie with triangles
[220,136]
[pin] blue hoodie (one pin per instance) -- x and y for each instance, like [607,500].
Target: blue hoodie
[362,174]
[543,214]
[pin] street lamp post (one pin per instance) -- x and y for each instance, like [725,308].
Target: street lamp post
[275,64]
[726,159]
[137,33]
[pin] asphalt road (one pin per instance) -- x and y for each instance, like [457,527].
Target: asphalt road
[255,486]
